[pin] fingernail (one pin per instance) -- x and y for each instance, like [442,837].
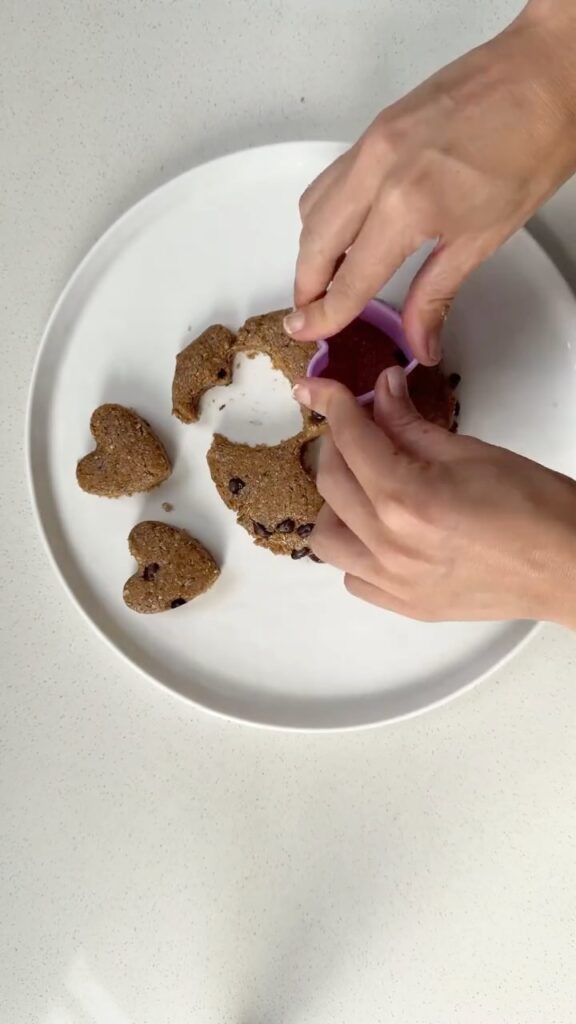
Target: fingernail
[301,393]
[294,322]
[396,382]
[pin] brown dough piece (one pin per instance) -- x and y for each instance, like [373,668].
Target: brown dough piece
[173,568]
[128,457]
[205,363]
[432,395]
[273,497]
[265,333]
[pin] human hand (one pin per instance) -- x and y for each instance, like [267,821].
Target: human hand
[465,159]
[434,525]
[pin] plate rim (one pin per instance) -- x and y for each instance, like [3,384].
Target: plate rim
[529,628]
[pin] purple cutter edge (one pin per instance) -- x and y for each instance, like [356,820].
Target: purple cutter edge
[389,321]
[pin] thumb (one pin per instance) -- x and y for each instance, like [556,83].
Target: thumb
[431,294]
[396,415]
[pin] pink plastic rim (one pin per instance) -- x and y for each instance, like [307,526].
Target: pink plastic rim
[389,321]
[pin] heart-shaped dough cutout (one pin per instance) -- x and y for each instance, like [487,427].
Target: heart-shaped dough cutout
[128,458]
[173,568]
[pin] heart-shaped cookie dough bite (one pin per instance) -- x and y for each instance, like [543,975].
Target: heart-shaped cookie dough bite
[128,458]
[173,568]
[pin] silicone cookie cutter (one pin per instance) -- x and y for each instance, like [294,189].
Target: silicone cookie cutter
[388,320]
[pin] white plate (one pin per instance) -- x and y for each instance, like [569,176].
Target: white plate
[275,642]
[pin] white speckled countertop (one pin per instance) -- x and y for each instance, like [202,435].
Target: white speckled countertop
[158,866]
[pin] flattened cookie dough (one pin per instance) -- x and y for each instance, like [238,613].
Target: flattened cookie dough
[265,333]
[273,497]
[433,395]
[173,568]
[128,458]
[205,363]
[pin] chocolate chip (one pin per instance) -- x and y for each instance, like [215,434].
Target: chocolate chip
[178,602]
[317,417]
[150,571]
[305,529]
[314,558]
[260,530]
[221,374]
[235,485]
[457,409]
[286,526]
[299,553]
[454,380]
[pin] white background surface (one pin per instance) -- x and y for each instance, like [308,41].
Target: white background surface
[158,866]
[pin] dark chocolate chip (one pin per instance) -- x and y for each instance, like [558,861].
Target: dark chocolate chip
[261,530]
[299,553]
[305,529]
[150,571]
[317,417]
[286,526]
[457,409]
[178,602]
[221,374]
[314,558]
[454,380]
[235,485]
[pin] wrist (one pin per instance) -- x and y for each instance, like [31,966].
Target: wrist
[557,593]
[546,30]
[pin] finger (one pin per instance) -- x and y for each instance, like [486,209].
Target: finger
[372,594]
[344,496]
[328,231]
[333,210]
[396,414]
[431,294]
[335,544]
[319,186]
[377,465]
[374,256]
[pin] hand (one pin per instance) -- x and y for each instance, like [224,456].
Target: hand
[465,159]
[434,525]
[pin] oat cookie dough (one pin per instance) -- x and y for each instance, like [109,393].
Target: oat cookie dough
[273,497]
[205,363]
[128,458]
[173,568]
[433,395]
[265,333]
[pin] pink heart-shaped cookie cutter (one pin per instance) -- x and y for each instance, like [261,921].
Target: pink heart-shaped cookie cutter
[387,319]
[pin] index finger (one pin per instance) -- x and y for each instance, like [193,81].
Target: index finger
[366,449]
[372,259]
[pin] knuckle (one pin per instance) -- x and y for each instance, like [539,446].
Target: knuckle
[306,202]
[351,584]
[308,236]
[344,298]
[338,396]
[380,142]
[393,200]
[397,515]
